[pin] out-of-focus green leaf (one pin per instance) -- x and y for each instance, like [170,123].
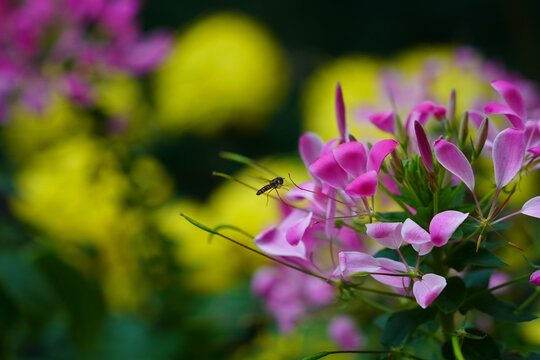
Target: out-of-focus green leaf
[452,296]
[25,285]
[490,304]
[467,255]
[316,356]
[402,324]
[81,296]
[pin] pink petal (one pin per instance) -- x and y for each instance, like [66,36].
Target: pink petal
[263,280]
[389,266]
[428,288]
[444,224]
[272,241]
[532,207]
[350,239]
[326,169]
[386,234]
[534,150]
[295,233]
[352,157]
[453,160]
[384,121]
[343,331]
[297,194]
[423,249]
[494,108]
[340,114]
[535,278]
[508,151]
[423,147]
[354,262]
[378,152]
[413,233]
[310,147]
[511,96]
[422,112]
[364,185]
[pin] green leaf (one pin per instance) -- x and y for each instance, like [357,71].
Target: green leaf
[480,346]
[467,255]
[25,285]
[401,325]
[452,296]
[81,296]
[490,304]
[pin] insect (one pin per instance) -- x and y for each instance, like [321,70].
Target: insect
[273,184]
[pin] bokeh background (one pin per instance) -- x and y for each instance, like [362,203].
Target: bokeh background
[95,261]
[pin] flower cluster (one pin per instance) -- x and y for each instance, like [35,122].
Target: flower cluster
[332,229]
[61,45]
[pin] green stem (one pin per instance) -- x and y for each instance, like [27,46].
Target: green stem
[374,304]
[485,291]
[322,354]
[529,300]
[457,350]
[381,292]
[396,199]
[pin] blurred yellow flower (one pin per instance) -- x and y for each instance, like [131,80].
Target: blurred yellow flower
[218,264]
[226,68]
[77,193]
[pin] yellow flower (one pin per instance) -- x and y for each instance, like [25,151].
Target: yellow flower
[226,68]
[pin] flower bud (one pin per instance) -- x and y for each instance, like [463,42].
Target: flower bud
[423,147]
[452,107]
[481,137]
[340,114]
[401,134]
[463,130]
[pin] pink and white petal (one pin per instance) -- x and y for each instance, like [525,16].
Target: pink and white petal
[511,96]
[310,146]
[386,234]
[295,233]
[364,185]
[453,160]
[423,249]
[413,233]
[532,207]
[384,121]
[428,289]
[326,169]
[352,157]
[354,262]
[499,109]
[444,224]
[379,152]
[535,278]
[508,152]
[389,266]
[297,194]
[272,241]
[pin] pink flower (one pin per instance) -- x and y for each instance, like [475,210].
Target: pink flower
[515,111]
[343,331]
[386,234]
[340,115]
[423,147]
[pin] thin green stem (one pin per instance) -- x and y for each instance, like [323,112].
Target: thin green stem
[529,300]
[211,231]
[322,354]
[375,304]
[395,198]
[381,292]
[485,291]
[457,349]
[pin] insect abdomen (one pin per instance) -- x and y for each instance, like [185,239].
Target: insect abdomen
[264,189]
